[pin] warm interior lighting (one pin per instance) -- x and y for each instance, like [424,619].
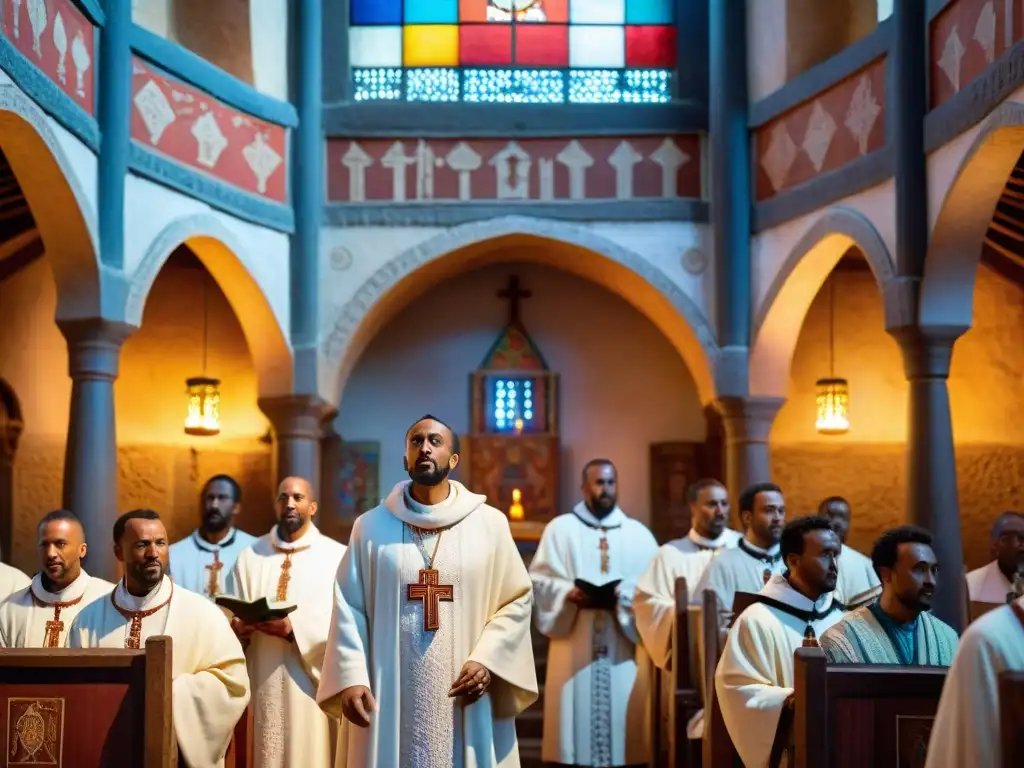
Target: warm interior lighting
[833,399]
[515,512]
[203,407]
[519,426]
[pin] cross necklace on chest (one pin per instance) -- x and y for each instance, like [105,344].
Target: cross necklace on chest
[134,639]
[428,588]
[55,626]
[286,567]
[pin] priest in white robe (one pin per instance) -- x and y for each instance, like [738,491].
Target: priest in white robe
[210,686]
[430,659]
[966,731]
[596,692]
[858,583]
[754,678]
[898,627]
[292,564]
[992,583]
[756,557]
[11,580]
[40,615]
[202,562]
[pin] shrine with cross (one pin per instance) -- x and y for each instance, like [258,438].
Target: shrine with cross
[512,452]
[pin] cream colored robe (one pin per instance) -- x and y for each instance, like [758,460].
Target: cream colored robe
[858,638]
[595,703]
[857,577]
[966,731]
[378,640]
[23,616]
[289,730]
[655,600]
[191,558]
[11,580]
[988,584]
[755,674]
[734,570]
[210,687]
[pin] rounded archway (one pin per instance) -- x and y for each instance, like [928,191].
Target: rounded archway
[557,244]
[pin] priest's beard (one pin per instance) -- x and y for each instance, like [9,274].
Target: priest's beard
[291,524]
[57,574]
[918,601]
[147,573]
[601,505]
[215,521]
[430,477]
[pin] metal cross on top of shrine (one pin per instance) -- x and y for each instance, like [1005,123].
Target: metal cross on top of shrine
[513,292]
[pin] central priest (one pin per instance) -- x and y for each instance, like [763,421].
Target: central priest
[429,658]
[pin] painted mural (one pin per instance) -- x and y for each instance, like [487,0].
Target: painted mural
[592,168]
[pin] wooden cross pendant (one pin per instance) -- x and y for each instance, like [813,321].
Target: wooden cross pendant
[134,639]
[431,593]
[213,586]
[284,578]
[53,629]
[605,559]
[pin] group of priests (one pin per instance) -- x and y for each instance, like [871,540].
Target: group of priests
[411,646]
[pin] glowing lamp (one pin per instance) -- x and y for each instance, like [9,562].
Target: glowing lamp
[515,512]
[203,417]
[519,426]
[833,400]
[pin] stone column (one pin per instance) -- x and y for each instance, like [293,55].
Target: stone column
[747,422]
[932,500]
[90,461]
[298,423]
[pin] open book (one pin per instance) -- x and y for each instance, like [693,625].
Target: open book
[257,611]
[603,594]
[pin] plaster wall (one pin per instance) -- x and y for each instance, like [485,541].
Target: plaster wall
[868,465]
[622,384]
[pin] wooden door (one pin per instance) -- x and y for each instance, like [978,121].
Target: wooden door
[673,467]
[11,425]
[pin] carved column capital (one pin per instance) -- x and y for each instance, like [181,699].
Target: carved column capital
[297,416]
[748,419]
[94,347]
[927,350]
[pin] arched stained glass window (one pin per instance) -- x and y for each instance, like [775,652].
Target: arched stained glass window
[513,51]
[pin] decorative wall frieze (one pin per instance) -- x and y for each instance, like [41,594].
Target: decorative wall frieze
[517,171]
[965,38]
[837,126]
[187,125]
[58,39]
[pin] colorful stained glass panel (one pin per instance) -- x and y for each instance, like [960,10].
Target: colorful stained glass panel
[431,11]
[375,46]
[597,11]
[375,12]
[542,45]
[430,45]
[473,11]
[485,45]
[652,11]
[597,46]
[650,47]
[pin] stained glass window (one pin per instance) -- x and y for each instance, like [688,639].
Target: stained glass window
[512,403]
[513,51]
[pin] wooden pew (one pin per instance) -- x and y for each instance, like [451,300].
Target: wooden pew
[239,753]
[94,708]
[685,699]
[1011,717]
[848,715]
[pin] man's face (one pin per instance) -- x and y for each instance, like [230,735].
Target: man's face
[710,511]
[600,489]
[143,550]
[61,549]
[818,566]
[295,505]
[1008,548]
[914,577]
[428,453]
[839,513]
[768,517]
[219,506]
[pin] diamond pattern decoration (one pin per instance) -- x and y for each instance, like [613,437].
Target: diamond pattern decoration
[862,114]
[952,55]
[820,130]
[985,31]
[780,156]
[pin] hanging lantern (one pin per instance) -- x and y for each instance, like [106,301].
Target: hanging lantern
[833,400]
[516,512]
[203,407]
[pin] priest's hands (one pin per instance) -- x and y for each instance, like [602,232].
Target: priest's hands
[356,705]
[278,628]
[242,630]
[579,597]
[472,683]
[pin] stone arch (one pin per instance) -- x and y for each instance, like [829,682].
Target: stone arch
[950,268]
[781,314]
[218,248]
[59,204]
[559,244]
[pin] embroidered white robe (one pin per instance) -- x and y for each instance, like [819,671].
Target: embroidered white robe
[194,559]
[210,687]
[11,580]
[857,578]
[655,600]
[25,614]
[595,696]
[988,584]
[755,674]
[737,570]
[378,638]
[289,730]
[966,731]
